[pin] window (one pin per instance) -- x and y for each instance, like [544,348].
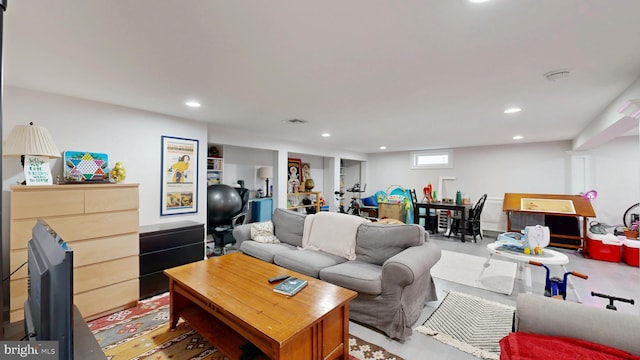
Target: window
[431,159]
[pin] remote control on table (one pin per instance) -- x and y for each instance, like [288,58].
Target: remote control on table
[278,278]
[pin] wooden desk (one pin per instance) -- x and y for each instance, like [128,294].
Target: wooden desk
[582,208]
[438,205]
[228,300]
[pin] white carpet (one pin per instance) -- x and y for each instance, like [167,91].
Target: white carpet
[470,324]
[464,269]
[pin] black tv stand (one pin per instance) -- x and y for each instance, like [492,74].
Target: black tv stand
[85,345]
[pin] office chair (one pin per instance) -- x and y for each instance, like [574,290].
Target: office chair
[226,209]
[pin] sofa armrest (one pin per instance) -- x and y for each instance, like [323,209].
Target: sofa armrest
[241,233]
[542,315]
[403,268]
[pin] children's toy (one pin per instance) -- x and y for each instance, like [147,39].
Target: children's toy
[427,191]
[532,240]
[513,241]
[611,298]
[381,196]
[538,237]
[556,287]
[396,194]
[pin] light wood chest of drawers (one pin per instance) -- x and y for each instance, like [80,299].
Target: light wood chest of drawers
[100,223]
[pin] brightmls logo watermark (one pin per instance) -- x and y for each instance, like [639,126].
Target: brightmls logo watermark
[32,350]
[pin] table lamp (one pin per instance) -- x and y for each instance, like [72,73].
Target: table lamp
[30,140]
[266,173]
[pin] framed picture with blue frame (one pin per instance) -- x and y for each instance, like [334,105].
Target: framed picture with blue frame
[179,176]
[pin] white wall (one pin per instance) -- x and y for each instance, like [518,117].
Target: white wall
[130,136]
[494,170]
[521,168]
[616,175]
[352,175]
[283,150]
[133,137]
[242,163]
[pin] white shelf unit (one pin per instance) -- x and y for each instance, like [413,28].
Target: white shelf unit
[215,166]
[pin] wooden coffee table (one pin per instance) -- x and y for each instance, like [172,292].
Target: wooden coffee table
[228,300]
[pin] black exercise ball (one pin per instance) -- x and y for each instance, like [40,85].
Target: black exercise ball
[223,203]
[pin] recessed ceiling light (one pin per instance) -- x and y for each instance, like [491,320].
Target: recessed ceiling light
[477,1]
[326,134]
[193,104]
[512,110]
[518,137]
[383,148]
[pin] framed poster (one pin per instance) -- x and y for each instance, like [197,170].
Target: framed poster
[294,175]
[179,176]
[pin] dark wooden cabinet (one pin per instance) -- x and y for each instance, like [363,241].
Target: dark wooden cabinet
[164,246]
[1,312]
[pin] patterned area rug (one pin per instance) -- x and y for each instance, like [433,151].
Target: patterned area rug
[143,332]
[471,324]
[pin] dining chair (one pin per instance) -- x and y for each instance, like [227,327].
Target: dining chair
[430,221]
[472,222]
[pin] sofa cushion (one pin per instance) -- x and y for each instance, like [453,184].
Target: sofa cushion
[264,251]
[356,275]
[308,262]
[375,243]
[333,233]
[288,226]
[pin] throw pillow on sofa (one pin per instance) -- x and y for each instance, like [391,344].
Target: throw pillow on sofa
[263,232]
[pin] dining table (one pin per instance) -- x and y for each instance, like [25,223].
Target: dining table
[463,209]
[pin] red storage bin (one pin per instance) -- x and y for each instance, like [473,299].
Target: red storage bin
[631,252]
[603,247]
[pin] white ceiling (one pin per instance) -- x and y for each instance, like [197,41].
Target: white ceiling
[412,74]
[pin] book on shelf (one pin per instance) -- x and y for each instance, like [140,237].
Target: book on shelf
[291,286]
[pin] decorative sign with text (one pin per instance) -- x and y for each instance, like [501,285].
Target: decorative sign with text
[37,170]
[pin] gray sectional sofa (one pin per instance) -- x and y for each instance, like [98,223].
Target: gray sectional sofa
[546,316]
[390,268]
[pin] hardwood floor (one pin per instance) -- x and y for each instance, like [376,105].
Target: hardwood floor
[616,279]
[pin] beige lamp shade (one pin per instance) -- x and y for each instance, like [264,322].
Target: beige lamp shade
[265,172]
[30,140]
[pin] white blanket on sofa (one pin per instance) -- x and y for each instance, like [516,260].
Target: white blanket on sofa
[333,233]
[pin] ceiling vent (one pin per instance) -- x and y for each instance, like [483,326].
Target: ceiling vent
[557,75]
[296,121]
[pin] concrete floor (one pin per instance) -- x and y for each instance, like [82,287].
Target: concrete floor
[616,279]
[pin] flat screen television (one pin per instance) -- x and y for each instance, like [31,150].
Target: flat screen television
[48,311]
